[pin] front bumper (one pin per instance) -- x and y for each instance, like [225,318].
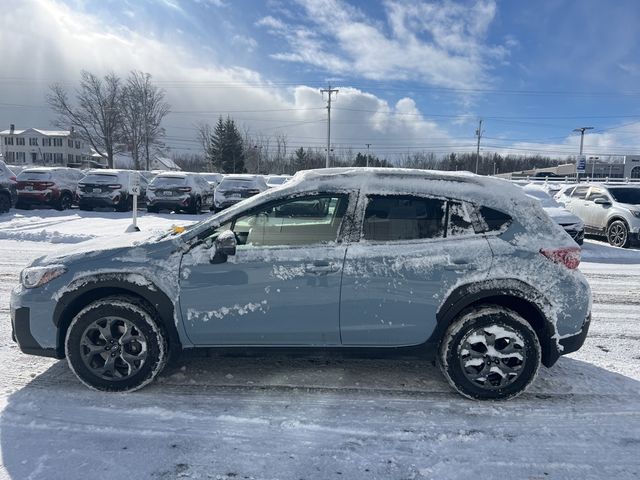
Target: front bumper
[21,334]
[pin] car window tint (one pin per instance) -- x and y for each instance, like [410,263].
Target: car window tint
[495,220]
[580,192]
[389,218]
[302,221]
[459,220]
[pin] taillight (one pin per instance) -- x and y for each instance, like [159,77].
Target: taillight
[46,184]
[184,189]
[253,192]
[150,188]
[568,256]
[115,186]
[13,178]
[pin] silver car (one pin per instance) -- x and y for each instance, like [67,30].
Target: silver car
[608,210]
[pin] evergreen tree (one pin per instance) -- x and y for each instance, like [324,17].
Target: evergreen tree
[227,148]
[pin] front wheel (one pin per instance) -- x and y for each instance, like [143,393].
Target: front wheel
[490,353]
[116,345]
[618,234]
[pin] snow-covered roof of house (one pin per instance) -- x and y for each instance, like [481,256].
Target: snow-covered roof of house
[165,163]
[47,133]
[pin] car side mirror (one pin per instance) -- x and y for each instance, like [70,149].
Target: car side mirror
[224,246]
[601,201]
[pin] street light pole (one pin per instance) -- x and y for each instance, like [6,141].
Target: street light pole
[582,130]
[368,145]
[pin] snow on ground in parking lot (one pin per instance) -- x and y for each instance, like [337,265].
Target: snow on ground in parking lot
[274,416]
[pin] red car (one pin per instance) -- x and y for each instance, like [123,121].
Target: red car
[48,186]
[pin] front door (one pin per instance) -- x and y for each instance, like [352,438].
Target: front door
[282,287]
[415,249]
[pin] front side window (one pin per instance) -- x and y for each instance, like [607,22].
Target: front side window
[390,218]
[630,195]
[302,221]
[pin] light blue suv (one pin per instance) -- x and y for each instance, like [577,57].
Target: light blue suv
[462,267]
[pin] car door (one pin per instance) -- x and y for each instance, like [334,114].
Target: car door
[596,214]
[413,249]
[576,203]
[282,286]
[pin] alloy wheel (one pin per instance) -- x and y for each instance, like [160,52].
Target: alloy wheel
[113,348]
[492,357]
[617,234]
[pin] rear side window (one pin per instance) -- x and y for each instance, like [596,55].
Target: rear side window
[389,218]
[495,220]
[580,192]
[459,220]
[597,193]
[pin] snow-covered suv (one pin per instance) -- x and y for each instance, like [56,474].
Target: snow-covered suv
[108,188]
[53,186]
[179,191]
[465,268]
[610,210]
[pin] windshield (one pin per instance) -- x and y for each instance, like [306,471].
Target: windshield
[629,195]
[100,178]
[168,181]
[237,183]
[34,176]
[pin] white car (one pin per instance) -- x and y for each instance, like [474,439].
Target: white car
[558,213]
[277,180]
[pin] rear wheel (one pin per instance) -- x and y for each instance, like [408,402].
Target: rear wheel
[196,207]
[618,234]
[64,202]
[116,344]
[490,353]
[5,203]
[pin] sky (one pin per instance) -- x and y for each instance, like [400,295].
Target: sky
[412,75]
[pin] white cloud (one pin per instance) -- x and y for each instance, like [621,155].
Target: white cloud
[68,41]
[440,44]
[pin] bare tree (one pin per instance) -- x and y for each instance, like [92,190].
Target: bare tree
[154,109]
[97,116]
[204,131]
[133,124]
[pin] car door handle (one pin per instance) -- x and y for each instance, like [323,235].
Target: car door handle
[460,266]
[321,267]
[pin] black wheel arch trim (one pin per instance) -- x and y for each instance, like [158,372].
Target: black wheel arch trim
[511,293]
[102,285]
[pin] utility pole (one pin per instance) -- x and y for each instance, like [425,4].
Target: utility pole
[368,145]
[330,91]
[479,135]
[582,130]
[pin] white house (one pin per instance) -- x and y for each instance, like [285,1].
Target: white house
[34,146]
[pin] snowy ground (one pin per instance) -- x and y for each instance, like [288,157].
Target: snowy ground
[314,417]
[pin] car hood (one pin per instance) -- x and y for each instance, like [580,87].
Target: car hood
[562,216]
[103,247]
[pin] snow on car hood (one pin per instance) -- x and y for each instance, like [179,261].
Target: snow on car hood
[562,216]
[96,246]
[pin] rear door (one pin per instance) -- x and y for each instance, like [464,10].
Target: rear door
[596,214]
[577,203]
[413,249]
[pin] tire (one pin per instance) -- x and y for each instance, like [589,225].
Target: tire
[152,209]
[618,234]
[5,203]
[196,208]
[465,343]
[65,202]
[125,205]
[97,353]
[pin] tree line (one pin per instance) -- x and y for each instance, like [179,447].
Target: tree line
[225,149]
[114,115]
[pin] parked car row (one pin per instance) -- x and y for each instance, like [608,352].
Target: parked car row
[62,187]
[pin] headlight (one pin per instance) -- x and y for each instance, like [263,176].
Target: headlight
[635,213]
[33,277]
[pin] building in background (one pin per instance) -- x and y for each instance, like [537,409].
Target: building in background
[614,167]
[34,146]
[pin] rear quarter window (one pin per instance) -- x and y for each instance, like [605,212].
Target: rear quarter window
[492,220]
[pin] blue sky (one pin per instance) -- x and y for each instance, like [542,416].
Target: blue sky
[412,75]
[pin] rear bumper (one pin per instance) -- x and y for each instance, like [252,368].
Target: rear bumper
[573,343]
[37,197]
[170,203]
[99,201]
